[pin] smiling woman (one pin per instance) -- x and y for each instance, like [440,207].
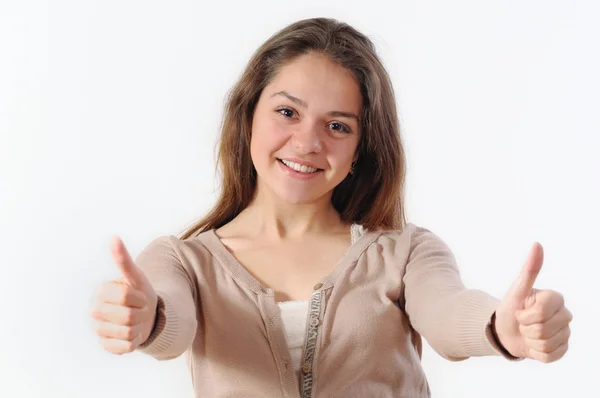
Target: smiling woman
[305,279]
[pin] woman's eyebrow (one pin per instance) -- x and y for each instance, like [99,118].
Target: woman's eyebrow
[291,98]
[303,104]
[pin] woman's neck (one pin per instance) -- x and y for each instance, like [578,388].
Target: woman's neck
[290,221]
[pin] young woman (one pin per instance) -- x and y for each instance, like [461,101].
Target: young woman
[305,279]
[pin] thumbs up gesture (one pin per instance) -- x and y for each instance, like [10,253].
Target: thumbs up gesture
[124,309]
[533,323]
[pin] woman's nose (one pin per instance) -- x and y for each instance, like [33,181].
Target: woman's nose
[307,140]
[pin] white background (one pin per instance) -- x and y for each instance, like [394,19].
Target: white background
[109,113]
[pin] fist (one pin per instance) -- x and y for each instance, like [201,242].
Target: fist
[532,323]
[124,310]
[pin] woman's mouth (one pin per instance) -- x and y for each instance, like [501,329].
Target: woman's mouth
[298,167]
[298,171]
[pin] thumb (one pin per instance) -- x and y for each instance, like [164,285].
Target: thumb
[132,274]
[523,286]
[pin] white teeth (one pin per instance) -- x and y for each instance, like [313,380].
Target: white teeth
[299,167]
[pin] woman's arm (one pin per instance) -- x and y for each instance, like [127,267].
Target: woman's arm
[175,325]
[455,321]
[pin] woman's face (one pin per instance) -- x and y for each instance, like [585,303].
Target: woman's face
[307,116]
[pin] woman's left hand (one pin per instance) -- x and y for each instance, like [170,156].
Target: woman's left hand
[533,323]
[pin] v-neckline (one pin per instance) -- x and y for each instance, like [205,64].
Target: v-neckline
[241,274]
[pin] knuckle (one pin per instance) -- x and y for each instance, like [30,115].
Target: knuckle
[129,317]
[128,346]
[143,296]
[123,296]
[545,357]
[540,313]
[545,347]
[569,316]
[537,331]
[129,333]
[107,346]
[96,313]
[115,350]
[524,330]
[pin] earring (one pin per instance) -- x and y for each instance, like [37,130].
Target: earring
[352,167]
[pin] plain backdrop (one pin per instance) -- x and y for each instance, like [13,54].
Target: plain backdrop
[109,114]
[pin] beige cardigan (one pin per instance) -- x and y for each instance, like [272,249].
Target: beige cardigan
[365,321]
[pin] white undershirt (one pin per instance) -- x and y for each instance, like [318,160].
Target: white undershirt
[295,313]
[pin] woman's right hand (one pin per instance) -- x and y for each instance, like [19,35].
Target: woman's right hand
[124,310]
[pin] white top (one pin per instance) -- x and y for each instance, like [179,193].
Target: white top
[295,313]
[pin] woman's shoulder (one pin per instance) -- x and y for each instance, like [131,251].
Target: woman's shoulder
[409,230]
[189,251]
[408,238]
[395,235]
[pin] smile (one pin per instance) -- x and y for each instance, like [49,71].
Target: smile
[299,167]
[301,172]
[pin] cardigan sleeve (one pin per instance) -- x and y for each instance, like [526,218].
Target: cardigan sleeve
[455,321]
[176,323]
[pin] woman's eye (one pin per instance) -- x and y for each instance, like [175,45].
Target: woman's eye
[336,126]
[339,127]
[286,112]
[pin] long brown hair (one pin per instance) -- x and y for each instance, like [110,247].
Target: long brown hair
[373,195]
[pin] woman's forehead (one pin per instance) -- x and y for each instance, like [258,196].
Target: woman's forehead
[314,80]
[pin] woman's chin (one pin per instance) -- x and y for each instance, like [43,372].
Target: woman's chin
[298,198]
